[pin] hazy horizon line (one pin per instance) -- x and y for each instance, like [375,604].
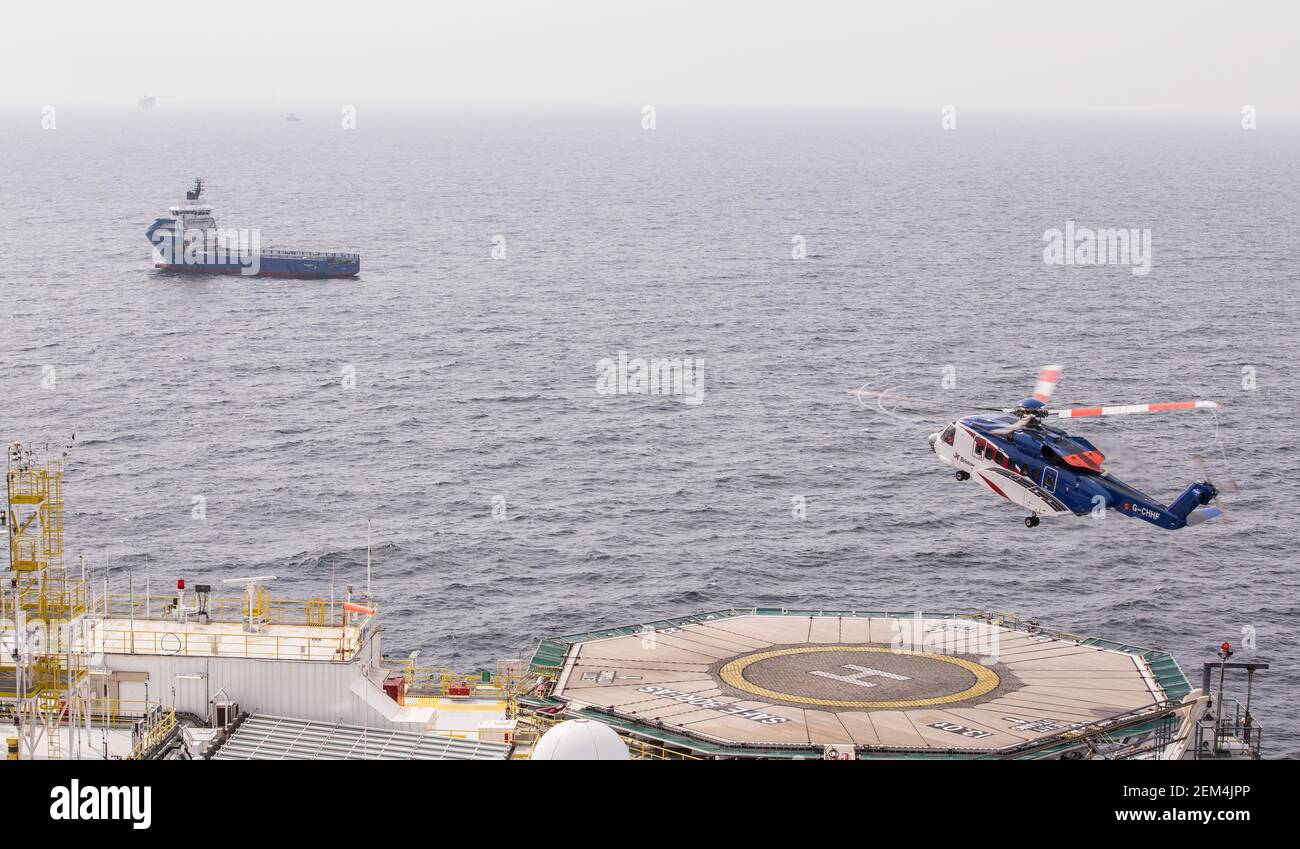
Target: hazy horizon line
[131,104]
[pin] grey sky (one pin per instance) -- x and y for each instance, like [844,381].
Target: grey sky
[1161,56]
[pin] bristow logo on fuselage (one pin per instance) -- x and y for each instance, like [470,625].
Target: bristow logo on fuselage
[1008,470]
[984,442]
[93,802]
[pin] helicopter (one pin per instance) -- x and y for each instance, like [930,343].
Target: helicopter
[1015,454]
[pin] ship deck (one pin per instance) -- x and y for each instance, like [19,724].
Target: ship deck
[922,683]
[276,641]
[100,743]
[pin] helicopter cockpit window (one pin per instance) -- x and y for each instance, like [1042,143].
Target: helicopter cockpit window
[949,433]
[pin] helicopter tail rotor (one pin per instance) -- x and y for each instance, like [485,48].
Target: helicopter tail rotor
[1229,486]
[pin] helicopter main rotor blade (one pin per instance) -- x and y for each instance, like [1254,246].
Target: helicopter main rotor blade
[1130,409]
[1047,380]
[893,397]
[1020,424]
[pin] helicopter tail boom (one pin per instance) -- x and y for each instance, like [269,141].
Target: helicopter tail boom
[1183,512]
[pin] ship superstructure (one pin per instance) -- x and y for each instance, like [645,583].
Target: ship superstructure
[188,240]
[191,675]
[89,671]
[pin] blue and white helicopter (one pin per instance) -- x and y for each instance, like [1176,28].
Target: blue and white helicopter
[1018,456]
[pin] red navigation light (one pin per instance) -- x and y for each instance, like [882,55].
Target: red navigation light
[180,585]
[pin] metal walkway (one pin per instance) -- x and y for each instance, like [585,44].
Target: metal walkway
[278,738]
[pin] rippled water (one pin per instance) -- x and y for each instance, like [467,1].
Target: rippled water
[475,378]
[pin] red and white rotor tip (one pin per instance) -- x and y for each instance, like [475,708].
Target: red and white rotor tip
[1129,409]
[1047,378]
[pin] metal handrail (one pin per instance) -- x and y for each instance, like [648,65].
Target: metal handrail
[306,254]
[186,643]
[222,609]
[159,720]
[641,750]
[48,676]
[1240,726]
[438,680]
[61,598]
[113,710]
[154,735]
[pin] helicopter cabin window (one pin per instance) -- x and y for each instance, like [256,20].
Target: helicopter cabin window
[949,433]
[979,446]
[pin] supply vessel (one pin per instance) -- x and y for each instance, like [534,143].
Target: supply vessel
[188,240]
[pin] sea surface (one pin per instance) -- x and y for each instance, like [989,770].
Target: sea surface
[228,426]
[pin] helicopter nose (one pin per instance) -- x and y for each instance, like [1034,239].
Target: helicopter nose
[934,437]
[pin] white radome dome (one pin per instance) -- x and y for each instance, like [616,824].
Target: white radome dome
[581,740]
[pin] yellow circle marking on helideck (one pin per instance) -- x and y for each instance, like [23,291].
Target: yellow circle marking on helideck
[985,679]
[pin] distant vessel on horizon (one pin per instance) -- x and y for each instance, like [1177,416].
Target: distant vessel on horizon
[292,117]
[188,240]
[147,102]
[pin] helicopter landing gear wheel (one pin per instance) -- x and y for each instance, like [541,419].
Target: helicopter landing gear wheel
[963,476]
[1031,521]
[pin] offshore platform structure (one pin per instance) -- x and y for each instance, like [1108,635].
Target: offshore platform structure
[44,642]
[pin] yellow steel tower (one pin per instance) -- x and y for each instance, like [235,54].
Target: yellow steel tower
[42,607]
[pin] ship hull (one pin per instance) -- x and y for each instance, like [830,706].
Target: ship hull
[305,269]
[268,262]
